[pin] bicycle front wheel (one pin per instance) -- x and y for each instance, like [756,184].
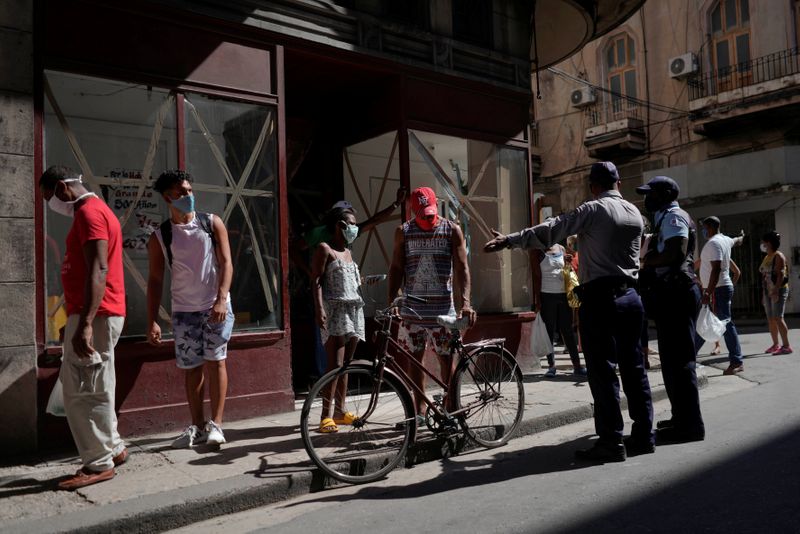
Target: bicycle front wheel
[489,384]
[365,446]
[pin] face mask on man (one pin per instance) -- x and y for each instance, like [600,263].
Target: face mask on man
[652,203]
[63,207]
[184,204]
[704,231]
[350,232]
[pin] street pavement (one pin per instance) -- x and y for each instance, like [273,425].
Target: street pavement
[745,477]
[264,462]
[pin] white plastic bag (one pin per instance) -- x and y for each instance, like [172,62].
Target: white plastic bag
[709,327]
[541,345]
[55,404]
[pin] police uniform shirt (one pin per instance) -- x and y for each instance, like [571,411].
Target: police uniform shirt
[609,231]
[669,224]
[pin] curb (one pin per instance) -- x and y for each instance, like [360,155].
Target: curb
[177,508]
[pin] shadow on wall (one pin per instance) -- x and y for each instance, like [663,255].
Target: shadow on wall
[17,382]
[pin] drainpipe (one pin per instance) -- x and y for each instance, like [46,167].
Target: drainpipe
[646,77]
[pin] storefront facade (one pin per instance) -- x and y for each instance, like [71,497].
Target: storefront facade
[274,129]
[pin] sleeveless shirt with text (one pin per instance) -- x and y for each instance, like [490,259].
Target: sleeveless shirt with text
[428,271]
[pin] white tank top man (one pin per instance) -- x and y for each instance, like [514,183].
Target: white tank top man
[195,247]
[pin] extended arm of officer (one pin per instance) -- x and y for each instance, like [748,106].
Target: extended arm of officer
[544,235]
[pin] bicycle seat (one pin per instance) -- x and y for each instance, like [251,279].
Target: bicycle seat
[452,322]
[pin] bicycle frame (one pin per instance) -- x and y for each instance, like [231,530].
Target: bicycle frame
[384,359]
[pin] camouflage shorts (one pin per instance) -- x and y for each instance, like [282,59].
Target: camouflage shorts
[197,340]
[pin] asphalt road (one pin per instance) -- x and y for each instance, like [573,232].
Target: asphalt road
[745,477]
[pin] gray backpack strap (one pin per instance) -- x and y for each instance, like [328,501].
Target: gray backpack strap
[204,219]
[205,223]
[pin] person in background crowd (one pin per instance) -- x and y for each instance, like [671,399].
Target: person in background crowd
[609,230]
[339,308]
[672,299]
[572,250]
[775,275]
[94,293]
[550,299]
[715,260]
[429,261]
[195,246]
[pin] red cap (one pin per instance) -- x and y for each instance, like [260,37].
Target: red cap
[423,202]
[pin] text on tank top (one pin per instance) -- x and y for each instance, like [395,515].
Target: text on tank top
[428,271]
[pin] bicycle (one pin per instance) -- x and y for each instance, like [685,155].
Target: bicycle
[376,413]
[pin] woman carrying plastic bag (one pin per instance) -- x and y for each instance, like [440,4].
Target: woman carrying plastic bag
[541,345]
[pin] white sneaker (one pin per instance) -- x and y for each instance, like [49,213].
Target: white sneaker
[214,434]
[189,437]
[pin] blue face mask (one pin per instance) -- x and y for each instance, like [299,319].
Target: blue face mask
[184,204]
[350,232]
[705,233]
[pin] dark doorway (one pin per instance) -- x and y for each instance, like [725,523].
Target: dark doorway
[330,104]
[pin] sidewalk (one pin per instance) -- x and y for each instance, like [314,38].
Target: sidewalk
[264,461]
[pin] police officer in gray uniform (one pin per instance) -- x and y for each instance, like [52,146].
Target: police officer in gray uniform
[672,298]
[609,229]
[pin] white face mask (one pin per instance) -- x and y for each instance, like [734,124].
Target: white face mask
[67,209]
[764,248]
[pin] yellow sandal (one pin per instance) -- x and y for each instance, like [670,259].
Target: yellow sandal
[346,419]
[328,426]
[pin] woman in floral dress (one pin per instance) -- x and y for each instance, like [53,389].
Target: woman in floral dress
[339,308]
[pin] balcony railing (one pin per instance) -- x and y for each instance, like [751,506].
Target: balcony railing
[759,70]
[612,108]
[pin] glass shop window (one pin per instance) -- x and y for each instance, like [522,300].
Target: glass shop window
[121,136]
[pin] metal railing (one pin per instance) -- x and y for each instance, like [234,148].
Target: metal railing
[762,69]
[612,108]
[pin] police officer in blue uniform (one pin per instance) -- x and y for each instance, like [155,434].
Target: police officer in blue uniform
[609,229]
[672,298]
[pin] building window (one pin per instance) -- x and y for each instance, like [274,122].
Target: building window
[481,186]
[473,21]
[121,136]
[730,36]
[620,60]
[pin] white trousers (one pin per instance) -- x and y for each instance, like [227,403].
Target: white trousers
[89,387]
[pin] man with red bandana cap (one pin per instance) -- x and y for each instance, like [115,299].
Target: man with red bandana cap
[429,260]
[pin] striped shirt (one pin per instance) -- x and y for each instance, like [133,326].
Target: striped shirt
[428,272]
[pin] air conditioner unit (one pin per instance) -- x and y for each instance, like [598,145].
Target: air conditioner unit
[583,97]
[683,66]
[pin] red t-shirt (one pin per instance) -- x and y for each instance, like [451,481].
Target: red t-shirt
[93,220]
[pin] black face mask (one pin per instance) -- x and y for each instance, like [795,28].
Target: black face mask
[653,203]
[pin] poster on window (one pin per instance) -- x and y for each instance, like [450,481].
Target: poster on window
[146,216]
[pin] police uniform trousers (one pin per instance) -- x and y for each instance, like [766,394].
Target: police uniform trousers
[611,317]
[675,315]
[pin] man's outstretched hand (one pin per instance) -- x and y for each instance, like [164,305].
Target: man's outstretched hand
[499,242]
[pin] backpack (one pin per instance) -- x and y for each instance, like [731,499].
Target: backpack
[204,219]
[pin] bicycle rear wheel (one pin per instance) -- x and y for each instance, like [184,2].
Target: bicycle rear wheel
[489,381]
[368,448]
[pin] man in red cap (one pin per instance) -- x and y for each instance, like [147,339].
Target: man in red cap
[429,259]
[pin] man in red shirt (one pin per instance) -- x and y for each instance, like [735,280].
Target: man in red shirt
[94,292]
